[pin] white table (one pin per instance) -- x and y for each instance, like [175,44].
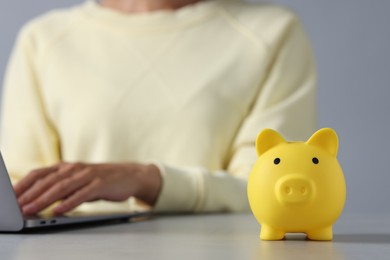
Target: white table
[221,236]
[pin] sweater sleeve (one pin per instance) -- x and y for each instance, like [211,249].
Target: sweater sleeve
[28,139]
[286,102]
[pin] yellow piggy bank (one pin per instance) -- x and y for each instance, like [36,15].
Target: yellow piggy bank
[297,187]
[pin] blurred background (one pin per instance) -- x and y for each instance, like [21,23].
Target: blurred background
[351,39]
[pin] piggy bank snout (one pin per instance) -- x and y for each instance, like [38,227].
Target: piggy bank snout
[294,189]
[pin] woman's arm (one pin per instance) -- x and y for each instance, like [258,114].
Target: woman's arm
[75,183]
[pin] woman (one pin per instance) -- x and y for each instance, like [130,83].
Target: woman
[157,101]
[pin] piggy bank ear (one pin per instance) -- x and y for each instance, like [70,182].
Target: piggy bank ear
[267,139]
[325,138]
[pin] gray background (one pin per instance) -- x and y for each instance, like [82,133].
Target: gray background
[351,40]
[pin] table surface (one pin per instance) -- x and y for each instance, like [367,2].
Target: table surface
[210,236]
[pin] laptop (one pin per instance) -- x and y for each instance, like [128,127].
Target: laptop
[12,219]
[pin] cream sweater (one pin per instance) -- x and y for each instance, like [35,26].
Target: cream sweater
[188,89]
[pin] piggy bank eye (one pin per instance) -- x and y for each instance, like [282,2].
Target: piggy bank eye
[315,160]
[277,161]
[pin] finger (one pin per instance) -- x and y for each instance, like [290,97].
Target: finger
[87,193]
[58,191]
[42,185]
[25,183]
[39,187]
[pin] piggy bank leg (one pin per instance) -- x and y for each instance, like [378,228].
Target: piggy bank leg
[320,234]
[269,233]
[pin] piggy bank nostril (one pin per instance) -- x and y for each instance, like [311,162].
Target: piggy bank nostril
[287,190]
[303,190]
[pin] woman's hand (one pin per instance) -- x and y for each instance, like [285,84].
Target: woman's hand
[75,183]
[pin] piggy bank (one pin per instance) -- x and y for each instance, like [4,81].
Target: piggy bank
[297,187]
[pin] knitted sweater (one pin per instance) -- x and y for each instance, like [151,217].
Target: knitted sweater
[188,90]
